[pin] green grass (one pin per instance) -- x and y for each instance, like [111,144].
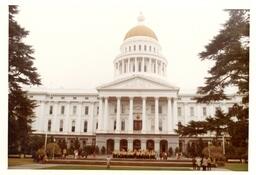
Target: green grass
[19,161]
[90,167]
[237,166]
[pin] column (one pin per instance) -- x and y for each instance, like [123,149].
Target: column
[198,112]
[100,117]
[156,67]
[150,66]
[118,120]
[130,144]
[169,116]
[106,115]
[175,119]
[143,64]
[117,144]
[144,120]
[41,121]
[122,66]
[136,64]
[128,66]
[156,116]
[130,123]
[55,117]
[143,144]
[79,122]
[186,115]
[90,119]
[67,120]
[157,146]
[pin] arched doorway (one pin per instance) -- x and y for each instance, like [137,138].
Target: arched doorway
[150,145]
[110,146]
[136,145]
[123,145]
[163,146]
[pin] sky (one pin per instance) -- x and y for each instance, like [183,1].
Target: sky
[75,44]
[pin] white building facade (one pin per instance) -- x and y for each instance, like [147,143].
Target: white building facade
[139,109]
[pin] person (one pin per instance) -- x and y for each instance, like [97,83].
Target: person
[194,163]
[209,163]
[64,153]
[204,163]
[198,163]
[108,162]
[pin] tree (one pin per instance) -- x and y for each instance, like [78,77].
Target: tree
[229,50]
[77,144]
[21,71]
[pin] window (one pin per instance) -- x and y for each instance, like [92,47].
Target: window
[133,67]
[145,47]
[97,110]
[160,109]
[86,98]
[49,125]
[179,111]
[115,109]
[61,125]
[137,125]
[160,125]
[85,126]
[134,47]
[97,125]
[74,110]
[122,108]
[62,98]
[139,47]
[154,49]
[51,110]
[73,128]
[74,98]
[123,125]
[86,111]
[191,111]
[130,48]
[51,97]
[154,68]
[204,111]
[145,68]
[139,66]
[125,65]
[62,110]
[114,125]
[150,48]
[152,109]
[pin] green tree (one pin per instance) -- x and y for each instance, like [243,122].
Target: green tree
[21,71]
[229,51]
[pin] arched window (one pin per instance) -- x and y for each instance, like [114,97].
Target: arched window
[73,128]
[145,48]
[139,47]
[123,125]
[49,125]
[61,125]
[85,126]
[114,125]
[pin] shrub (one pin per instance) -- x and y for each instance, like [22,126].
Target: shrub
[216,153]
[53,148]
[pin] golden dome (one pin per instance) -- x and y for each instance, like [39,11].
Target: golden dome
[140,30]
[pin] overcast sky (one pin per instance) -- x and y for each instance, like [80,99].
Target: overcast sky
[75,45]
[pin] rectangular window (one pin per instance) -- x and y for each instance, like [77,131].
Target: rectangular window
[160,125]
[139,47]
[130,48]
[152,109]
[123,125]
[74,110]
[179,112]
[62,98]
[49,125]
[85,126]
[74,98]
[204,111]
[97,110]
[160,109]
[145,47]
[134,47]
[97,125]
[61,125]
[114,125]
[115,109]
[51,110]
[137,125]
[86,112]
[62,110]
[191,111]
[73,128]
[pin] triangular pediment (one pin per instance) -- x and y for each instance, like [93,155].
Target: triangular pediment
[137,82]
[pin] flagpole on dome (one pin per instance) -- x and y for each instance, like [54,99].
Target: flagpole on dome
[141,18]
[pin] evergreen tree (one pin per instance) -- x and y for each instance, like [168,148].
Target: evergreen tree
[20,72]
[230,52]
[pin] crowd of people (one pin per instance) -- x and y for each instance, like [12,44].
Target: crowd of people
[137,154]
[202,162]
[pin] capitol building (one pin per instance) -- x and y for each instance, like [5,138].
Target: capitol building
[139,109]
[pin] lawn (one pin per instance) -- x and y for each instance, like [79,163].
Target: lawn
[237,166]
[90,167]
[19,161]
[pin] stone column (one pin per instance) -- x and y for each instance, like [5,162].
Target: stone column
[143,144]
[156,116]
[130,144]
[169,116]
[128,67]
[106,115]
[55,125]
[144,120]
[175,119]
[42,116]
[150,65]
[123,66]
[100,117]
[156,67]
[198,112]
[90,122]
[130,123]
[117,144]
[186,113]
[136,64]
[157,146]
[118,120]
[79,122]
[67,120]
[143,64]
